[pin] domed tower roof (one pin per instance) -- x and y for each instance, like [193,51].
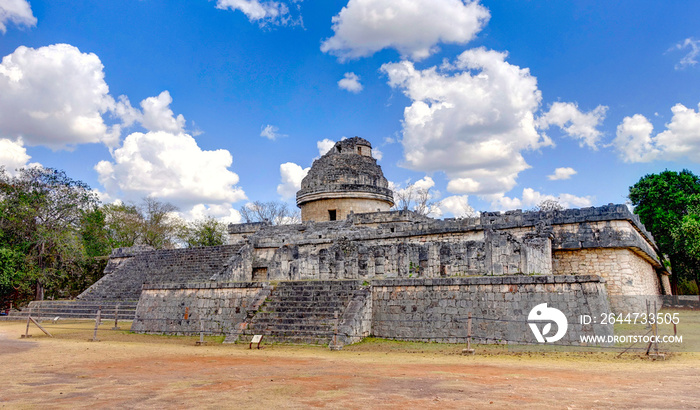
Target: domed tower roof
[346,171]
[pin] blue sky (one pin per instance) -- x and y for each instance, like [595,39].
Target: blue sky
[211,104]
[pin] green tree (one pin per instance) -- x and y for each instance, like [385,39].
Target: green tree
[94,233]
[662,202]
[124,224]
[204,232]
[150,222]
[13,277]
[40,216]
[687,241]
[160,227]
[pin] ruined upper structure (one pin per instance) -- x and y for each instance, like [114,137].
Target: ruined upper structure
[345,180]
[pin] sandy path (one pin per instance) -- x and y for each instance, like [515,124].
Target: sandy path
[154,372]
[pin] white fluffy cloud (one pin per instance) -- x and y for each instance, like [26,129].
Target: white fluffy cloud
[13,155]
[224,213]
[470,119]
[262,12]
[170,167]
[16,11]
[576,124]
[681,138]
[562,173]
[532,198]
[414,28]
[291,175]
[690,59]
[633,141]
[350,82]
[424,183]
[324,146]
[55,96]
[455,205]
[157,115]
[271,132]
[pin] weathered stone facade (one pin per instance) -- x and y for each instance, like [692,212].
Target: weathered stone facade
[345,180]
[390,274]
[404,309]
[625,272]
[187,309]
[608,241]
[438,309]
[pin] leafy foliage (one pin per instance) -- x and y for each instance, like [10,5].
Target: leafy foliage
[204,232]
[41,211]
[668,205]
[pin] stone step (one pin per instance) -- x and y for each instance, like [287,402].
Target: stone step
[279,329]
[310,306]
[301,312]
[301,340]
[158,266]
[76,309]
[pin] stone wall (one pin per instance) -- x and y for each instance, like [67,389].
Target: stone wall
[318,210]
[625,272]
[437,309]
[499,254]
[403,309]
[356,322]
[405,245]
[182,308]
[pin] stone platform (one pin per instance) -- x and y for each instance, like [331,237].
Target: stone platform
[340,312]
[76,309]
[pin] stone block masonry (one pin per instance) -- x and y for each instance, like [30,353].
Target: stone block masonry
[180,308]
[404,309]
[437,309]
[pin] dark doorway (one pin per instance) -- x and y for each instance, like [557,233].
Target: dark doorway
[331,214]
[259,274]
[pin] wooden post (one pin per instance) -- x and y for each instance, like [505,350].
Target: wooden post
[335,333]
[648,322]
[469,349]
[97,323]
[655,343]
[201,334]
[29,317]
[187,313]
[116,318]
[39,326]
[656,332]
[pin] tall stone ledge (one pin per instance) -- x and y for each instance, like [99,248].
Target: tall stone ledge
[400,225]
[490,280]
[204,285]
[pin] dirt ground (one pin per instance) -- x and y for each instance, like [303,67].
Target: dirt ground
[126,370]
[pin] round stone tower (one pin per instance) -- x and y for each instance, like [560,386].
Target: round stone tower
[346,179]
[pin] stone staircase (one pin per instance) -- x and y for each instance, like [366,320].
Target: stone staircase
[124,281]
[302,312]
[76,309]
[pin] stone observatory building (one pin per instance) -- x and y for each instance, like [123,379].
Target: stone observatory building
[354,268]
[345,180]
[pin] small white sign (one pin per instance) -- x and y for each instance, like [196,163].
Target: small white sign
[256,339]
